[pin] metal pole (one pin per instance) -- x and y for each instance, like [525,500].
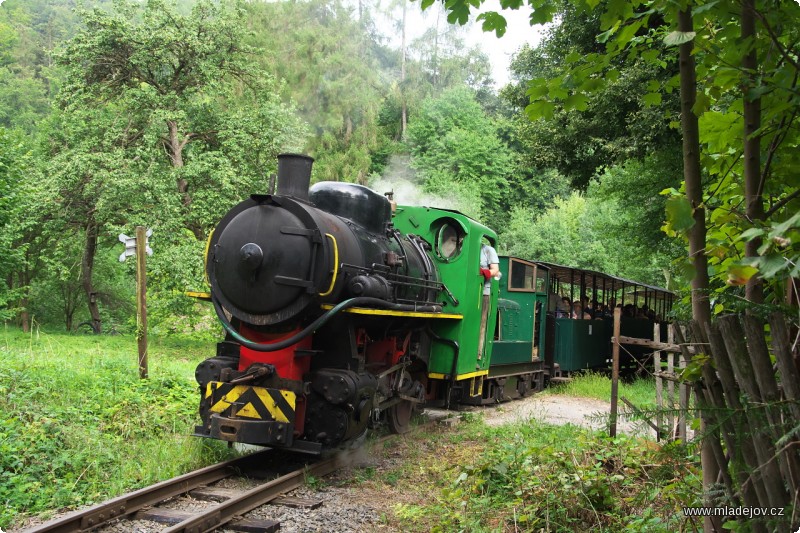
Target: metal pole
[614,293]
[141,299]
[583,289]
[615,372]
[571,289]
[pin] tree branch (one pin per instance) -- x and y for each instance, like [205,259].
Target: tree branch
[775,40]
[785,200]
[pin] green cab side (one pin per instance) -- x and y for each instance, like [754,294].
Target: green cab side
[455,242]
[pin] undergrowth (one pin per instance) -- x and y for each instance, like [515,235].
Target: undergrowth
[77,425]
[536,477]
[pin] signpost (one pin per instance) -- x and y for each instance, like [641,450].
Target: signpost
[138,246]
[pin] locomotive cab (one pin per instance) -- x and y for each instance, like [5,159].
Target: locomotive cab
[461,353]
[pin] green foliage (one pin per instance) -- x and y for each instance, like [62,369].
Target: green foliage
[599,231]
[79,426]
[163,121]
[531,476]
[565,233]
[29,31]
[19,220]
[593,120]
[452,140]
[321,58]
[572,75]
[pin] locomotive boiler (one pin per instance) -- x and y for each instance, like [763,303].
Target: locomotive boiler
[323,302]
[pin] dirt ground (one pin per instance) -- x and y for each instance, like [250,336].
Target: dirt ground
[560,410]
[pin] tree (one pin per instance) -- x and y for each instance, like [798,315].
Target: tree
[159,108]
[731,103]
[29,31]
[334,70]
[624,118]
[187,72]
[451,138]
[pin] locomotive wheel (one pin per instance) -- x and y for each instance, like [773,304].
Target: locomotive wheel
[398,416]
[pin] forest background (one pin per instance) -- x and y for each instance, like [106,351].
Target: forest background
[164,114]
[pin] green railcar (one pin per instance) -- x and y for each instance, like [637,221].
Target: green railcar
[517,367]
[525,341]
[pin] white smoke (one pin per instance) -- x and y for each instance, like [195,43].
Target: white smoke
[399,177]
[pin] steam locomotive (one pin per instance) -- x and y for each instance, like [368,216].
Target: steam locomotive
[343,311]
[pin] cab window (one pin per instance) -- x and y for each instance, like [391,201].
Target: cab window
[522,276]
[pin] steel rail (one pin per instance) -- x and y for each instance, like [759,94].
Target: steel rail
[87,519]
[221,514]
[216,516]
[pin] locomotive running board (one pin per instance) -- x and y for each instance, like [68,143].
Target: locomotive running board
[390,312]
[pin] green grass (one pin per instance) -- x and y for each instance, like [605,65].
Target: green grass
[641,392]
[77,425]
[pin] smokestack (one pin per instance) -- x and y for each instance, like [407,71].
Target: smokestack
[294,175]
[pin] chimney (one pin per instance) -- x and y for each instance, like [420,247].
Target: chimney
[294,175]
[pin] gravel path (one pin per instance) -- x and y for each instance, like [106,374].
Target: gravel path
[560,410]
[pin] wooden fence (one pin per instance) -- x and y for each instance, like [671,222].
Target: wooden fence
[748,399]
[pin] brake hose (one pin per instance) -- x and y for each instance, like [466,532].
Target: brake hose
[316,324]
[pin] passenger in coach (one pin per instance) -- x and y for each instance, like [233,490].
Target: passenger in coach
[564,308]
[578,313]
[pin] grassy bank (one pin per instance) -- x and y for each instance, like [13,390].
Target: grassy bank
[641,392]
[77,425]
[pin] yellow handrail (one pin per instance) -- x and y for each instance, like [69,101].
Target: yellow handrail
[335,265]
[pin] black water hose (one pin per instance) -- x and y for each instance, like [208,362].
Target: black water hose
[316,324]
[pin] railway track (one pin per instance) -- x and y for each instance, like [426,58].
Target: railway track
[229,505]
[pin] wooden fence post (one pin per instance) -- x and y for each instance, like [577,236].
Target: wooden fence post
[683,400]
[141,299]
[615,373]
[671,387]
[659,382]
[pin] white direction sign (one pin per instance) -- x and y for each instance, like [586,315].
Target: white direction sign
[130,245]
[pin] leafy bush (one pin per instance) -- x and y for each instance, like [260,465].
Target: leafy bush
[534,477]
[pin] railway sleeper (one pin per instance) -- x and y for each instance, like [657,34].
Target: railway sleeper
[173,517]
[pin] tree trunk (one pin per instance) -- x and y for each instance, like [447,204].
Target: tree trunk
[87,268]
[754,291]
[348,129]
[403,110]
[70,304]
[174,145]
[24,315]
[701,309]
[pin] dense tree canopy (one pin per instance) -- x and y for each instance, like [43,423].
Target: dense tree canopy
[183,106]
